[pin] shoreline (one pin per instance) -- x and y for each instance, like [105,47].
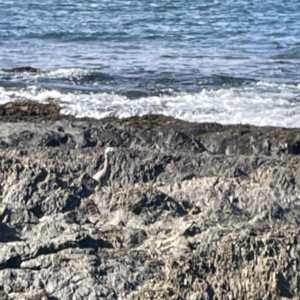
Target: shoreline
[287,139]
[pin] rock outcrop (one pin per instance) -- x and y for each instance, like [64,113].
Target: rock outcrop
[189,211]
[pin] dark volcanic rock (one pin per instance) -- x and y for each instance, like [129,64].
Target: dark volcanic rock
[188,211]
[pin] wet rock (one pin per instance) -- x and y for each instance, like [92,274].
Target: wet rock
[22,69]
[29,110]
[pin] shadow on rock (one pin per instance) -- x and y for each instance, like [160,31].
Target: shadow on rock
[8,234]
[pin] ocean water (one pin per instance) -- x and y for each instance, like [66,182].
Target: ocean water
[229,61]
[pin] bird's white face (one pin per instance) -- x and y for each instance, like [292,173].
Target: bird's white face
[109,149]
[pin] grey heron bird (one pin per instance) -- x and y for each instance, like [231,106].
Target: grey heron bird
[100,175]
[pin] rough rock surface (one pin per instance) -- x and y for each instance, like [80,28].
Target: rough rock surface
[188,211]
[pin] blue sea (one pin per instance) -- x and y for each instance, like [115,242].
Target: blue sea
[229,61]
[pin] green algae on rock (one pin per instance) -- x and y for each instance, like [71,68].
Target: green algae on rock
[31,111]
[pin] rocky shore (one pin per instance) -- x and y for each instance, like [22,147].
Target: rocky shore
[186,211]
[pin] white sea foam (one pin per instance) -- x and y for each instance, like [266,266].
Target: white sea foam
[51,74]
[66,73]
[258,104]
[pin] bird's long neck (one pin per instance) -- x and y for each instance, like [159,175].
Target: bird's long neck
[105,163]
